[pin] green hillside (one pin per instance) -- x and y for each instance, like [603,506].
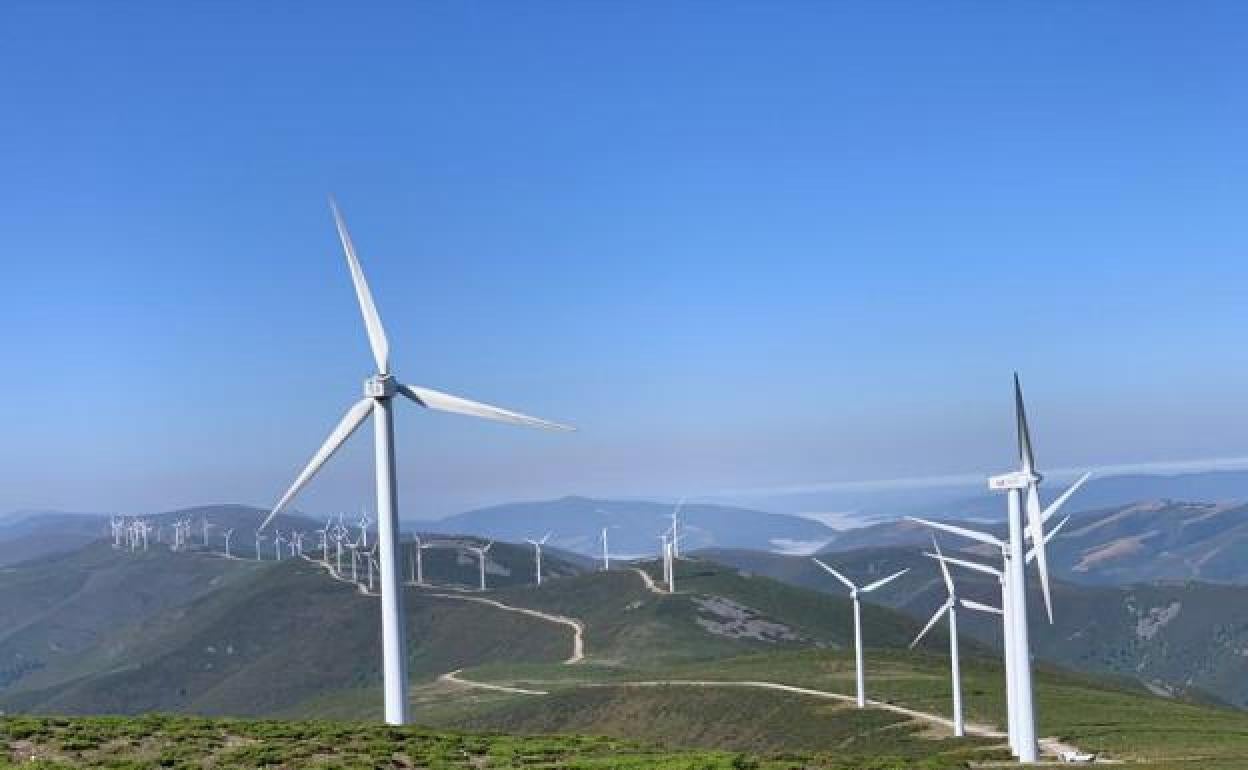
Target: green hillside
[701,669]
[1185,639]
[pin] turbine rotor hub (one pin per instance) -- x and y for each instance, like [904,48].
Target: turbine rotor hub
[379,386]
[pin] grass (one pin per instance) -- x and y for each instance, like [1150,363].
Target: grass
[186,743]
[1092,714]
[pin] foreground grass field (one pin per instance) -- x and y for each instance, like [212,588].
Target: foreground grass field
[129,743]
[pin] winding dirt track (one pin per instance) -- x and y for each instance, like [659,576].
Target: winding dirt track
[578,629]
[1051,746]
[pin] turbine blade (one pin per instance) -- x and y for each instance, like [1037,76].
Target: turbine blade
[941,610]
[444,402]
[972,605]
[964,563]
[350,421]
[884,581]
[546,537]
[372,321]
[1060,501]
[1031,554]
[834,573]
[1025,453]
[944,568]
[982,537]
[1037,537]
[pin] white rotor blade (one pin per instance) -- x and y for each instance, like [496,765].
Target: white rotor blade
[546,537]
[1060,501]
[941,610]
[972,605]
[884,581]
[372,321]
[964,563]
[350,421]
[982,537]
[944,568]
[836,574]
[1025,453]
[444,402]
[1031,554]
[1037,537]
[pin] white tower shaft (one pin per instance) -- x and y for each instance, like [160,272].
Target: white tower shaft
[858,666]
[958,728]
[393,646]
[1021,662]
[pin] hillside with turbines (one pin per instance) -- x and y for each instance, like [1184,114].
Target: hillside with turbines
[734,662]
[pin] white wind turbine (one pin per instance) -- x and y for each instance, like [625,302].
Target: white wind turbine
[949,608]
[537,552]
[1004,610]
[324,536]
[481,552]
[418,560]
[278,542]
[676,528]
[379,392]
[206,525]
[606,552]
[854,593]
[259,537]
[227,535]
[1015,556]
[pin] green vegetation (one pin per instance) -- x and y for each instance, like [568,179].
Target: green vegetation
[183,743]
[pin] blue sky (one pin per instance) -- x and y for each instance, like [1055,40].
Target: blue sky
[739,245]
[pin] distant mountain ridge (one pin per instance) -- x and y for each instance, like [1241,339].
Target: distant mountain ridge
[635,525]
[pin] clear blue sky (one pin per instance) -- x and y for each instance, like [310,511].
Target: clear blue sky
[738,244]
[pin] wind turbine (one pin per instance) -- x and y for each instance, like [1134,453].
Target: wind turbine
[676,528]
[481,552]
[854,593]
[1017,484]
[324,533]
[537,550]
[206,525]
[227,534]
[606,552]
[379,392]
[278,542]
[950,609]
[1004,610]
[259,537]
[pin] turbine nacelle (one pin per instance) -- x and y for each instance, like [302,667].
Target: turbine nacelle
[380,386]
[1014,480]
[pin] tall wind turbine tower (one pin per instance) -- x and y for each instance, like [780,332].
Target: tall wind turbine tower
[855,593]
[378,401]
[1021,487]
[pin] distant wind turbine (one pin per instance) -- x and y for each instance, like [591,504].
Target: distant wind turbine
[854,593]
[950,609]
[481,552]
[379,392]
[537,552]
